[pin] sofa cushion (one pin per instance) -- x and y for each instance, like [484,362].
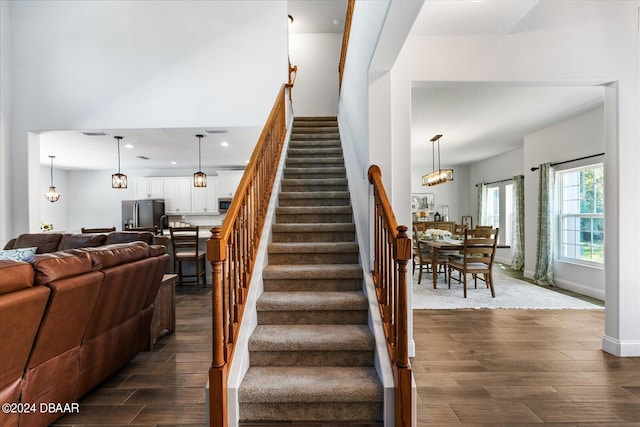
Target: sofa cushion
[129,236]
[17,254]
[111,255]
[157,250]
[15,275]
[10,244]
[88,240]
[45,242]
[59,265]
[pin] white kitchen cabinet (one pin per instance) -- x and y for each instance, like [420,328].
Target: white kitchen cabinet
[229,181]
[204,200]
[177,195]
[149,188]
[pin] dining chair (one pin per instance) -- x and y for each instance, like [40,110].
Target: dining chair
[184,241]
[478,252]
[97,230]
[422,257]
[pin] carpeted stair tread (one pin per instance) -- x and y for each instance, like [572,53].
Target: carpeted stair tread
[314,195]
[271,384]
[315,162]
[312,301]
[325,271]
[313,227]
[315,151]
[341,170]
[314,181]
[311,143]
[306,210]
[311,338]
[313,247]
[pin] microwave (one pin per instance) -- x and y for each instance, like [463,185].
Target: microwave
[224,203]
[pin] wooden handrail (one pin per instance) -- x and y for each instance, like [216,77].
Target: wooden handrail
[345,41]
[232,250]
[293,73]
[392,252]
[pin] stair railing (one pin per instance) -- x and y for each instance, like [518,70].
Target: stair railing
[392,251]
[345,41]
[232,251]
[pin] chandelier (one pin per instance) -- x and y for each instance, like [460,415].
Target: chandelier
[437,176]
[199,178]
[118,180]
[52,195]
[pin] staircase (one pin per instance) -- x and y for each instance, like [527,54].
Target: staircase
[312,353]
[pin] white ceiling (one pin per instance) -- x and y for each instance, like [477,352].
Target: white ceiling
[74,150]
[480,120]
[477,121]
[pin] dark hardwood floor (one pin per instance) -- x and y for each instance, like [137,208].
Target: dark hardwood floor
[472,367]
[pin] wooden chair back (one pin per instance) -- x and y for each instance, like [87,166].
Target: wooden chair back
[480,245]
[184,239]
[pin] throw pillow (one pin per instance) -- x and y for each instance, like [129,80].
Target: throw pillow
[17,254]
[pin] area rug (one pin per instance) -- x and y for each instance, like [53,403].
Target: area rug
[510,293]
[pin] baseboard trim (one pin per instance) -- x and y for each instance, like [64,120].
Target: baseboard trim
[580,289]
[620,348]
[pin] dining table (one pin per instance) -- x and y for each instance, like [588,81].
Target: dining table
[436,246]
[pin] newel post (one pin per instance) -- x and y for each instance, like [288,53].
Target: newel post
[216,254]
[402,256]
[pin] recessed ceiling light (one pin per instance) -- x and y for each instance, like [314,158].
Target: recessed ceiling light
[128,146]
[224,144]
[174,163]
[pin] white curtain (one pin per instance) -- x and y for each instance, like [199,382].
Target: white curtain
[482,204]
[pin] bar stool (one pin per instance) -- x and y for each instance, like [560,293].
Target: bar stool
[184,241]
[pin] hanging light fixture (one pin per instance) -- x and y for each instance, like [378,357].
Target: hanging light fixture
[199,178]
[440,175]
[52,195]
[118,180]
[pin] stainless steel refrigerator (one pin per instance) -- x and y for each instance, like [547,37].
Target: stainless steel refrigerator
[142,213]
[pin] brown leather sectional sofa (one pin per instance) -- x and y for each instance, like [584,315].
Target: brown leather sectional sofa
[51,242]
[71,318]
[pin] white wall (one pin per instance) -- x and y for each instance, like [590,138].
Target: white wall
[577,137]
[5,123]
[353,116]
[138,64]
[317,56]
[559,42]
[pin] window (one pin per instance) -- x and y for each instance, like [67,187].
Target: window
[499,210]
[581,214]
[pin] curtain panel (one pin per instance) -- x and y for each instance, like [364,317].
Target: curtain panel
[482,204]
[517,224]
[544,249]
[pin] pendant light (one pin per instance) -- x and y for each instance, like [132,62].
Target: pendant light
[52,195]
[199,178]
[440,175]
[118,180]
